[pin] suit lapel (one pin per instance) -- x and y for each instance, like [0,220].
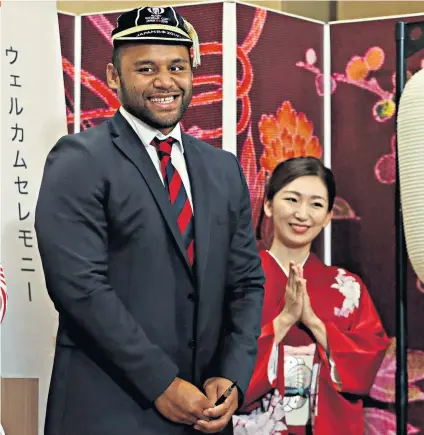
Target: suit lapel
[125,138]
[200,189]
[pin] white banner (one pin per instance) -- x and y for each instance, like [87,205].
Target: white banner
[33,118]
[1,168]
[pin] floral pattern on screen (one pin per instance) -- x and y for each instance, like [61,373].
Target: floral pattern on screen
[380,419]
[363,87]
[359,72]
[282,133]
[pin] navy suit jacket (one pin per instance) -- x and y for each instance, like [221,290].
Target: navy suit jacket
[133,314]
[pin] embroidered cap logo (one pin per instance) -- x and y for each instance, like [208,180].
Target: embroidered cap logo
[156,11]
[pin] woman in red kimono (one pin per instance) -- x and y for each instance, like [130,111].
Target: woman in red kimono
[322,340]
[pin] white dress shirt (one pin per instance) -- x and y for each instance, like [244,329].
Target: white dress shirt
[146,133]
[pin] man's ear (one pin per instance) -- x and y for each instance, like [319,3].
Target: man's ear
[112,77]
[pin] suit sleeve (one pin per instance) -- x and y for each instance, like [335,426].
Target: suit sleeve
[245,293]
[269,369]
[72,230]
[356,354]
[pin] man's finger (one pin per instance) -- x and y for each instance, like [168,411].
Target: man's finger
[194,417]
[217,411]
[213,426]
[198,414]
[189,420]
[211,391]
[192,411]
[187,414]
[200,429]
[183,416]
[179,417]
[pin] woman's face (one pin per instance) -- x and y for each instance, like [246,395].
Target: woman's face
[299,211]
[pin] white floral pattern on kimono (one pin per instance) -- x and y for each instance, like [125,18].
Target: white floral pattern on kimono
[350,289]
[259,422]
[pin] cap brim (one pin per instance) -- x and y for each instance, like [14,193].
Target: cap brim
[149,36]
[159,32]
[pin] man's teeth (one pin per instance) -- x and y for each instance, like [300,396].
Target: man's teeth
[163,100]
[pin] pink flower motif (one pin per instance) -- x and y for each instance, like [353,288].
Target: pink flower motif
[378,422]
[311,56]
[342,210]
[194,131]
[356,72]
[385,168]
[384,384]
[319,84]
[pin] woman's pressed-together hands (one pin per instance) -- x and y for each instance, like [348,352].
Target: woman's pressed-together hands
[297,307]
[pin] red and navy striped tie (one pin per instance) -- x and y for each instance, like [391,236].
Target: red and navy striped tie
[177,194]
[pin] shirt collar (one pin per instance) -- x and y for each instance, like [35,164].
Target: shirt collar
[147,133]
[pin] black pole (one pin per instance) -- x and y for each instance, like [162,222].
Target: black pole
[401,262]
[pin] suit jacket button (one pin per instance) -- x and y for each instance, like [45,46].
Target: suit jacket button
[191,297]
[192,344]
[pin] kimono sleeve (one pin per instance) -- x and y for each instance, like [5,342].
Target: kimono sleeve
[269,363]
[355,355]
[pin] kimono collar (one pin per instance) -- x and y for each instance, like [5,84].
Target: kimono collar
[282,267]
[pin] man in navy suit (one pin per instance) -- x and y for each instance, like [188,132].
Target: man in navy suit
[149,255]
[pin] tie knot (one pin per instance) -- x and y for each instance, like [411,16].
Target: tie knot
[163,146]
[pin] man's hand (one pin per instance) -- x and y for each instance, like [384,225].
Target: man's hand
[214,388]
[182,402]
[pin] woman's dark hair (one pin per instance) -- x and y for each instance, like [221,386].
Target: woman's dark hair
[291,169]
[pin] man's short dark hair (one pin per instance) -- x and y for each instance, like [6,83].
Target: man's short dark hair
[116,59]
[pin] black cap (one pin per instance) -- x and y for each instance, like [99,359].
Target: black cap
[156,25]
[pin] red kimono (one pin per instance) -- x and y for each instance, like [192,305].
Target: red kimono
[275,402]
